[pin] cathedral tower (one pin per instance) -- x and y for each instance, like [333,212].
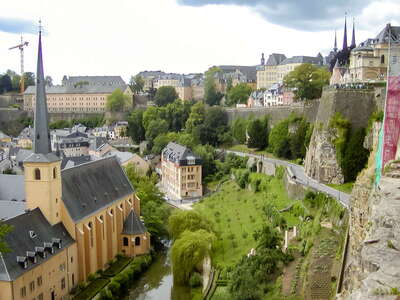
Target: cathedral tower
[42,167]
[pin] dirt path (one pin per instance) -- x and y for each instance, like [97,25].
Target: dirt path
[289,275]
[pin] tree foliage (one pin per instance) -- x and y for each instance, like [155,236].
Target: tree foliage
[307,80]
[117,101]
[165,95]
[135,126]
[189,251]
[238,94]
[257,131]
[211,95]
[238,129]
[137,84]
[189,220]
[4,230]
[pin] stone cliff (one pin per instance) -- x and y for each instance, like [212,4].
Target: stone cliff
[372,269]
[355,106]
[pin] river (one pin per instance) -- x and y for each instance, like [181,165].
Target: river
[157,283]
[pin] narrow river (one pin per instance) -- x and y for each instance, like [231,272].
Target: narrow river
[157,283]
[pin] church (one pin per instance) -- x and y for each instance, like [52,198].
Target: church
[75,220]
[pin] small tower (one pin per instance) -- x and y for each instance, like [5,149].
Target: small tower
[345,34]
[262,59]
[42,167]
[335,49]
[353,37]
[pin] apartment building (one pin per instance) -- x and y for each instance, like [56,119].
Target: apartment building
[181,172]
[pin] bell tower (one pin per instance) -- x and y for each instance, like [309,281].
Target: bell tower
[42,167]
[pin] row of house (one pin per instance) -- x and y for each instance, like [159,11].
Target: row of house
[274,96]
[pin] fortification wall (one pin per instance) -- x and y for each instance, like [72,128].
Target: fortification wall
[276,113]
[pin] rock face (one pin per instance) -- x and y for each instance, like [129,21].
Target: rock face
[320,162]
[355,106]
[373,257]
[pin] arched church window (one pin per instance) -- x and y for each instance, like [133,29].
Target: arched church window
[37,174]
[137,241]
[54,173]
[90,225]
[382,59]
[126,241]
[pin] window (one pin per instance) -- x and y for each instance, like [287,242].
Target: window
[126,241]
[23,291]
[40,297]
[72,259]
[32,286]
[37,174]
[54,173]
[73,279]
[63,283]
[39,281]
[137,241]
[382,59]
[90,225]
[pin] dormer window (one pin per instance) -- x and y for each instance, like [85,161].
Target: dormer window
[40,251]
[32,234]
[23,261]
[32,256]
[49,247]
[57,242]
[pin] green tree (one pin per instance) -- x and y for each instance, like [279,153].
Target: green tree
[117,101]
[238,129]
[5,83]
[214,126]
[177,113]
[4,230]
[189,251]
[188,220]
[211,95]
[207,155]
[29,79]
[196,117]
[135,126]
[307,80]
[238,94]
[155,128]
[153,113]
[355,155]
[298,139]
[279,139]
[165,95]
[257,131]
[137,84]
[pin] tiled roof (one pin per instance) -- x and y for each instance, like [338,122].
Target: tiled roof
[69,162]
[81,89]
[302,60]
[133,225]
[179,154]
[92,186]
[12,187]
[30,232]
[275,59]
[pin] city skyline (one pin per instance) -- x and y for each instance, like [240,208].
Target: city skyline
[132,37]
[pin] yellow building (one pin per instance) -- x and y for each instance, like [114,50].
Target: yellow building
[267,74]
[181,172]
[181,84]
[80,94]
[76,221]
[368,61]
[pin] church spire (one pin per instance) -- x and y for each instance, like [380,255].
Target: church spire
[335,44]
[353,37]
[42,135]
[345,33]
[262,59]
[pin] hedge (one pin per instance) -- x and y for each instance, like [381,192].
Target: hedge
[92,289]
[117,267]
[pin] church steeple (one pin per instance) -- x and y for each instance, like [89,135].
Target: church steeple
[42,136]
[345,34]
[262,59]
[335,44]
[353,37]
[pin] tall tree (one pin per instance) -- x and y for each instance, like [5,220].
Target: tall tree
[211,95]
[196,117]
[238,129]
[117,101]
[257,131]
[307,80]
[135,126]
[137,84]
[29,79]
[238,94]
[5,83]
[165,95]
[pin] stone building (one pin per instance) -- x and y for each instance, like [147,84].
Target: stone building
[80,94]
[181,172]
[76,219]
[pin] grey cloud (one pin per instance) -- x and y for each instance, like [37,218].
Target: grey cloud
[305,15]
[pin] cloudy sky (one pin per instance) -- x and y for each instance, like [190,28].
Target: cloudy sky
[123,37]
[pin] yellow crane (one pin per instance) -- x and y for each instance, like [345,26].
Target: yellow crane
[21,47]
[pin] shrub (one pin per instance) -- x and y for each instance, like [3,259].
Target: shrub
[114,287]
[195,280]
[91,277]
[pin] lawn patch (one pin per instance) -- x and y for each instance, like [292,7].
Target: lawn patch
[92,289]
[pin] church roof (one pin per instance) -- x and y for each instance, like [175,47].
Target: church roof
[133,225]
[383,36]
[90,187]
[275,59]
[31,236]
[302,60]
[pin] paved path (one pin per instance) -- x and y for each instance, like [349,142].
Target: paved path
[302,178]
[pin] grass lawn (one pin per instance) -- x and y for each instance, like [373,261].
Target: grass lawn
[117,266]
[237,213]
[345,187]
[221,293]
[92,289]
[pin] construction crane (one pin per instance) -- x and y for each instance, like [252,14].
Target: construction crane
[21,47]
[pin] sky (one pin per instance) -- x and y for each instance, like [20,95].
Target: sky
[124,37]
